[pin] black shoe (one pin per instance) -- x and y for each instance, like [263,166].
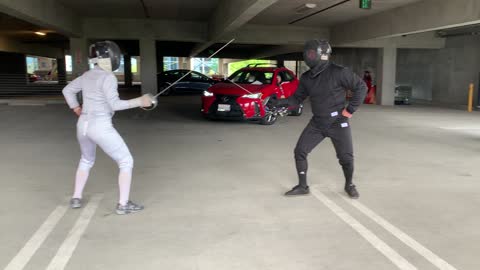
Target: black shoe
[352,192]
[298,190]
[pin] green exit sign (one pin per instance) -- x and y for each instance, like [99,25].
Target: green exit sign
[366,4]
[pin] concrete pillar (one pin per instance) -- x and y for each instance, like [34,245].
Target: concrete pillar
[148,65]
[184,62]
[221,70]
[127,63]
[225,69]
[61,71]
[160,67]
[386,76]
[280,62]
[79,51]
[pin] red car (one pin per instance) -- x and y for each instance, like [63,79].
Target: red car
[250,94]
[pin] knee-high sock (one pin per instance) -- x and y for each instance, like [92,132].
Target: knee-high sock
[302,167]
[81,178]
[348,172]
[124,183]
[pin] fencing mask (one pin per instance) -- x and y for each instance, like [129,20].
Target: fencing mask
[106,54]
[316,52]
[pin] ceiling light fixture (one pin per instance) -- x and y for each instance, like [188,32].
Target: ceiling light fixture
[40,33]
[304,8]
[320,11]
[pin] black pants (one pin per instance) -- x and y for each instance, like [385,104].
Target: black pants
[341,136]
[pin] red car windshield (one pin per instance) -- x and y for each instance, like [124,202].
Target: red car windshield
[252,77]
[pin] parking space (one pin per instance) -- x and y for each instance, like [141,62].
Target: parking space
[213,192]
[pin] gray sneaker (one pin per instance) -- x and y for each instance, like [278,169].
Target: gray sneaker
[130,207]
[75,203]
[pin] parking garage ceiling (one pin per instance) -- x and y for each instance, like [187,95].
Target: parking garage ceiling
[184,10]
[210,26]
[280,13]
[285,12]
[23,31]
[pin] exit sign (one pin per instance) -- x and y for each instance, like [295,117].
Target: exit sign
[366,4]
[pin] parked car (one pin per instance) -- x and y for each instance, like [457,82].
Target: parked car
[250,94]
[218,77]
[193,83]
[33,78]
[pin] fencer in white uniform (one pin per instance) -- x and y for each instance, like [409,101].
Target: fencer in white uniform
[99,91]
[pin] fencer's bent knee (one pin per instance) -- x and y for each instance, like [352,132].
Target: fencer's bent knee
[300,153]
[86,163]
[125,162]
[345,159]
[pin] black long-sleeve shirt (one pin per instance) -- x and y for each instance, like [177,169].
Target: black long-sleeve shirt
[327,86]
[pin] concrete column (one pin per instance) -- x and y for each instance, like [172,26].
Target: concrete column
[184,62]
[127,63]
[79,51]
[61,71]
[225,69]
[160,64]
[148,65]
[281,62]
[386,76]
[221,70]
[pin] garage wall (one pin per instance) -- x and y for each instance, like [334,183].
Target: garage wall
[14,80]
[456,67]
[13,73]
[358,60]
[415,68]
[442,76]
[7,45]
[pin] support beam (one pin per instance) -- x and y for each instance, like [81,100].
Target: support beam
[50,14]
[127,64]
[416,41]
[277,50]
[278,35]
[422,16]
[61,71]
[148,63]
[229,17]
[197,32]
[12,45]
[79,51]
[386,76]
[105,28]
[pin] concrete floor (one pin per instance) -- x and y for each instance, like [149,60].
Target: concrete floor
[213,191]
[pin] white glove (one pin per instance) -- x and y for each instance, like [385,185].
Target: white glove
[146,100]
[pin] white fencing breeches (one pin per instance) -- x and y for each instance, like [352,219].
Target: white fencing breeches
[93,130]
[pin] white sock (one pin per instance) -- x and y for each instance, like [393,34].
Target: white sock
[124,183]
[81,178]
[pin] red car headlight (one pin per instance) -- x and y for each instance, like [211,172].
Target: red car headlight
[253,96]
[207,94]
